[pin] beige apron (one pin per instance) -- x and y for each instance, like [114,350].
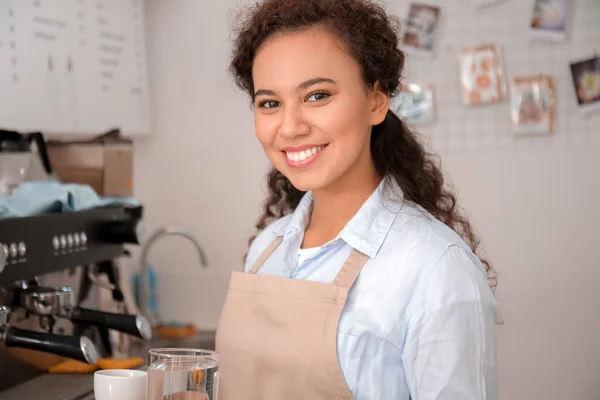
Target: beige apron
[277,337]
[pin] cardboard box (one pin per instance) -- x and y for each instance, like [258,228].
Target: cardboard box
[105,165]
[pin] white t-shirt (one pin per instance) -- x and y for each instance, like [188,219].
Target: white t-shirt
[305,254]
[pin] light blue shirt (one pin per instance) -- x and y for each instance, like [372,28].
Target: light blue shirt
[420,321]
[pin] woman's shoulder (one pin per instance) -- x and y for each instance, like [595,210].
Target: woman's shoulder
[423,228]
[417,235]
[438,259]
[420,222]
[265,238]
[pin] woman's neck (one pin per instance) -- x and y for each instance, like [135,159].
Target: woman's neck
[336,204]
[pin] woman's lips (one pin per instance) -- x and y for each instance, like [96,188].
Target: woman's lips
[302,156]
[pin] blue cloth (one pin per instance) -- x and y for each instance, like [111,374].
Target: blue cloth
[420,321]
[40,197]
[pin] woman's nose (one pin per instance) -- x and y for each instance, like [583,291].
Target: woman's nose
[293,123]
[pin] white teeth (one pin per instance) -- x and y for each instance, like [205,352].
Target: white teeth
[303,155]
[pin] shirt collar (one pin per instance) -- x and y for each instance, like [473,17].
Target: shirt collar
[367,230]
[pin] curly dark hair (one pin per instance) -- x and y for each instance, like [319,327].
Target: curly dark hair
[371,37]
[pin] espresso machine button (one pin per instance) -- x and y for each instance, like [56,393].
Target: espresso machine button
[2,261]
[83,238]
[70,240]
[22,249]
[14,251]
[76,239]
[55,243]
[5,251]
[63,242]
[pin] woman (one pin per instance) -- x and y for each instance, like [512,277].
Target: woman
[363,281]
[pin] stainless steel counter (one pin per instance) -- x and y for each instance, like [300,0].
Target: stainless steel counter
[81,386]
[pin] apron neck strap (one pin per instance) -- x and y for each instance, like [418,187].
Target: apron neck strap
[344,279]
[265,254]
[352,267]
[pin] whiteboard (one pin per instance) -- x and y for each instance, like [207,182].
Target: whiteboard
[73,66]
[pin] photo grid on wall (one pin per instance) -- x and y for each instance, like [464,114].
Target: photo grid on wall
[492,81]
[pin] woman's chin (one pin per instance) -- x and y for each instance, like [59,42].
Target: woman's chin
[307,182]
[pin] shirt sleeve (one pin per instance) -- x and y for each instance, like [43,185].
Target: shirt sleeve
[450,350]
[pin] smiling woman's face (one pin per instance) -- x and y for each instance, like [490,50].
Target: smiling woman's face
[313,111]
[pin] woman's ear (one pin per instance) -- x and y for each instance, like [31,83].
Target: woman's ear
[380,104]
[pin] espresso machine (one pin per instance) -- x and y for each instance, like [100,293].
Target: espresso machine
[43,322]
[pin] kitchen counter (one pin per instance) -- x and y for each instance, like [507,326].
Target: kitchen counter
[81,386]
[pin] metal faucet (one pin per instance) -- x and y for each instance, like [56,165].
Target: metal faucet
[144,284]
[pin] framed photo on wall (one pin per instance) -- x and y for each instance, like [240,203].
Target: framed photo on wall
[586,82]
[549,19]
[421,28]
[481,75]
[533,105]
[414,104]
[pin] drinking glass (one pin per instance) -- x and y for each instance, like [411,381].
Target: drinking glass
[182,374]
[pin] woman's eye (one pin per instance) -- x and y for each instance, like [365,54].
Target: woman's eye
[268,104]
[317,96]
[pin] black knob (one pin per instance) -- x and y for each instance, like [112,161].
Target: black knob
[135,325]
[78,348]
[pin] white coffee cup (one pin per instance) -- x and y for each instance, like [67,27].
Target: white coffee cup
[120,384]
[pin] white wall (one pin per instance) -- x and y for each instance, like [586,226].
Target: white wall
[533,201]
[202,167]
[538,217]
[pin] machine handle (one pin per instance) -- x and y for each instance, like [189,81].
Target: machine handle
[78,348]
[135,325]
